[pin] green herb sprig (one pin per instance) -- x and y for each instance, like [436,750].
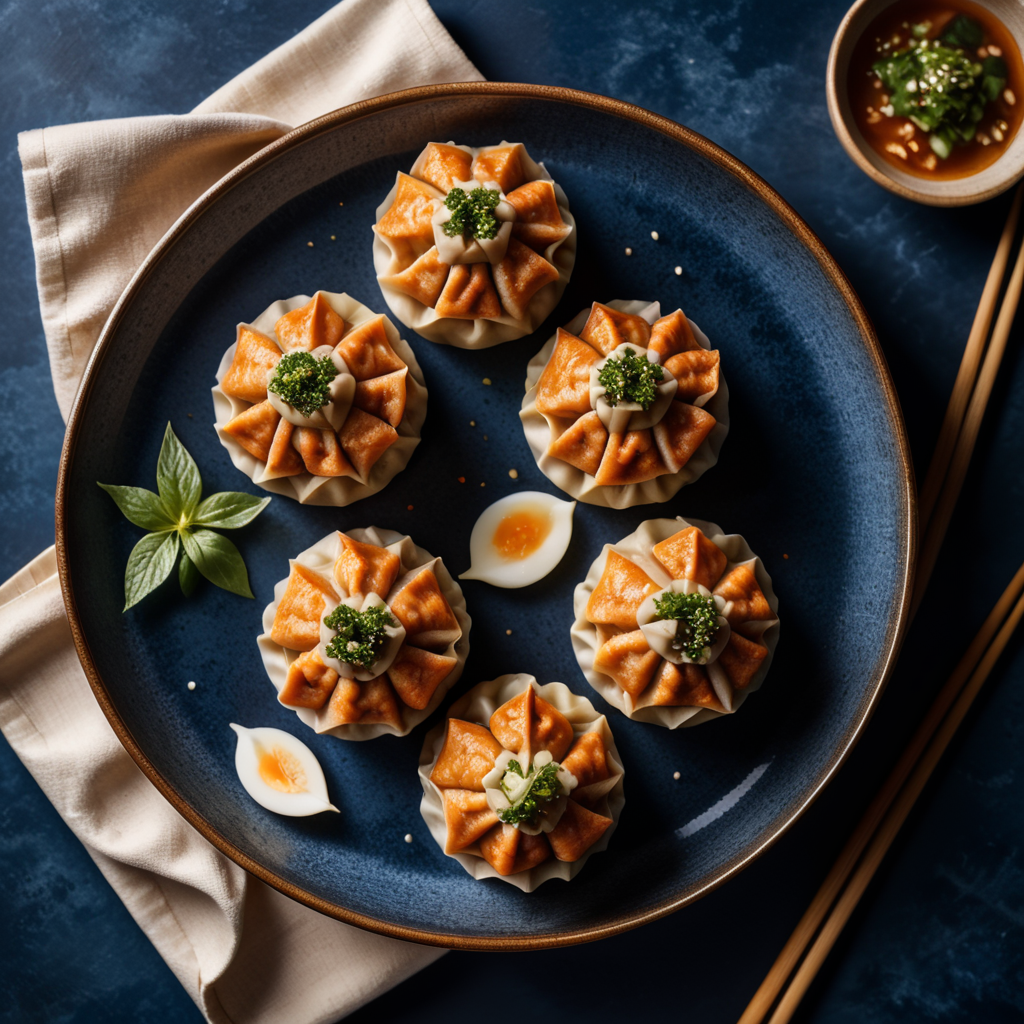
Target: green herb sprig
[361,635]
[176,518]
[545,787]
[472,214]
[631,379]
[698,621]
[303,381]
[941,87]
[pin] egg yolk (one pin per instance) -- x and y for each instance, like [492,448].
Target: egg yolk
[282,771]
[521,533]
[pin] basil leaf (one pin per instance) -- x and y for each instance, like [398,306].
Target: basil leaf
[218,560]
[229,510]
[149,564]
[188,575]
[141,507]
[177,477]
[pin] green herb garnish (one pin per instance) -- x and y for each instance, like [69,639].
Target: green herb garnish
[303,381]
[631,379]
[544,788]
[698,621]
[941,87]
[472,214]
[177,518]
[361,635]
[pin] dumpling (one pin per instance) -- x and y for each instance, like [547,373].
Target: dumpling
[685,644]
[623,406]
[316,426]
[403,635]
[474,246]
[522,782]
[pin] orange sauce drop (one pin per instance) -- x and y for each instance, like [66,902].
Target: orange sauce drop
[282,771]
[896,139]
[520,533]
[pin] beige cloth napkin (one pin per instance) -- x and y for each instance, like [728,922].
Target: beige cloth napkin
[100,196]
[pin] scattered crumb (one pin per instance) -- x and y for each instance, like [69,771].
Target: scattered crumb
[472,423]
[654,235]
[192,685]
[514,473]
[679,271]
[310,244]
[629,252]
[408,837]
[462,479]
[189,415]
[482,484]
[785,556]
[485,437]
[487,380]
[334,238]
[410,508]
[341,204]
[508,632]
[676,776]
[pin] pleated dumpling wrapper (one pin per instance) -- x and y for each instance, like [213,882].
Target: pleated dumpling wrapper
[320,399]
[624,406]
[522,782]
[366,634]
[677,623]
[474,247]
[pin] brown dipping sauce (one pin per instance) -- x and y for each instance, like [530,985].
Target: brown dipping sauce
[898,140]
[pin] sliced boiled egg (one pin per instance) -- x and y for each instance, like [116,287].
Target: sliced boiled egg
[280,772]
[519,539]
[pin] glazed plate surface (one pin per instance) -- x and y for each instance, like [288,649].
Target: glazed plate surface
[815,468]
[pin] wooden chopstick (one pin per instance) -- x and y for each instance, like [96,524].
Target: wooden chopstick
[961,459]
[890,825]
[968,371]
[866,828]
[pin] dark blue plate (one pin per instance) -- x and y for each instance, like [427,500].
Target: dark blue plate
[815,474]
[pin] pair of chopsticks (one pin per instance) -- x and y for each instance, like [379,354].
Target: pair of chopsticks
[836,899]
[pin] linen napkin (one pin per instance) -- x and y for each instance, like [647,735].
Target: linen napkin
[100,196]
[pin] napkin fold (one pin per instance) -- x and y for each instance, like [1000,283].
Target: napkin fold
[100,196]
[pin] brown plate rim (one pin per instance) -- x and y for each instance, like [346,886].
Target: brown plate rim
[756,184]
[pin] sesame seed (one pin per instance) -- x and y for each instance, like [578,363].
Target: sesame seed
[676,776]
[462,479]
[485,437]
[629,252]
[408,837]
[334,238]
[192,685]
[654,235]
[487,380]
[785,556]
[514,473]
[679,271]
[190,415]
[472,423]
[341,204]
[310,244]
[508,632]
[482,484]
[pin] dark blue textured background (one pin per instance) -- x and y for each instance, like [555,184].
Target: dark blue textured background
[939,936]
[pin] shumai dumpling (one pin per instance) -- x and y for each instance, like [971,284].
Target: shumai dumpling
[676,623]
[624,406]
[320,399]
[366,635]
[474,247]
[521,782]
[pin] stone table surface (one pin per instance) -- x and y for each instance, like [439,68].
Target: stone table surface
[940,934]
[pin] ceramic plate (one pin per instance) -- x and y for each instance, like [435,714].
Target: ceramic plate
[815,474]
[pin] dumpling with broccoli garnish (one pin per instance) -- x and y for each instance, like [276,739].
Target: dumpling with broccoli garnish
[676,624]
[474,247]
[624,406]
[320,399]
[365,635]
[522,782]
